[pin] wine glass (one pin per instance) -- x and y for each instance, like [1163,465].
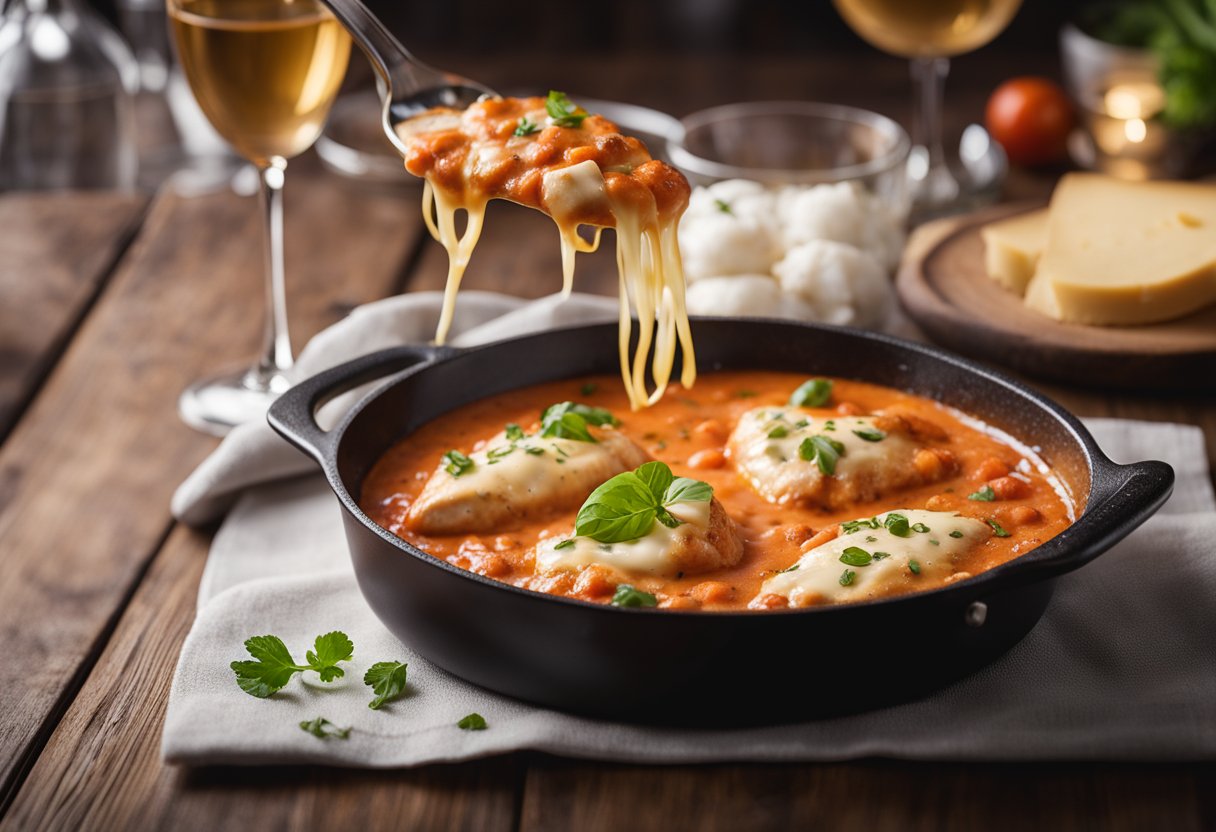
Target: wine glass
[929,32]
[265,73]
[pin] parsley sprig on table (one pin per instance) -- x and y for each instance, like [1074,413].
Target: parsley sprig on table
[273,665]
[323,729]
[387,681]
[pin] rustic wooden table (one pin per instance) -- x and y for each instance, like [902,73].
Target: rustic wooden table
[110,305]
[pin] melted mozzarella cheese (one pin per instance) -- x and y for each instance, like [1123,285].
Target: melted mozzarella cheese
[653,554]
[766,442]
[817,576]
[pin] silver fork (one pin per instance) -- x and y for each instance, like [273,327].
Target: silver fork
[407,86]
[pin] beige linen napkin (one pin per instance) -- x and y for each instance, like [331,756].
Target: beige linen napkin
[1122,666]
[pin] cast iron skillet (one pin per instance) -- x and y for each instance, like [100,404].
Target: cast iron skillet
[712,668]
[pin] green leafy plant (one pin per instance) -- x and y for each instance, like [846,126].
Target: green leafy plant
[1182,34]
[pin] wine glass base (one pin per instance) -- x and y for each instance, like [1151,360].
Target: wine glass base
[216,405]
[971,180]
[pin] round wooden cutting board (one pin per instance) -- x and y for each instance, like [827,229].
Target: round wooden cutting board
[943,286]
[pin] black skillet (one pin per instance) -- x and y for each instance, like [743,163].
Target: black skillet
[705,668]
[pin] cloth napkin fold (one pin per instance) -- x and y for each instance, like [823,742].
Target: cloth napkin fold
[1121,667]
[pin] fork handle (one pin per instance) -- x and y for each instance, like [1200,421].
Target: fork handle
[394,65]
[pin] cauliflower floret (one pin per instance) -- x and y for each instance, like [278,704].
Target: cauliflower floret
[721,243]
[740,197]
[843,284]
[824,212]
[755,295]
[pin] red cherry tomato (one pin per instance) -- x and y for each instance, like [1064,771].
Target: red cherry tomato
[1031,118]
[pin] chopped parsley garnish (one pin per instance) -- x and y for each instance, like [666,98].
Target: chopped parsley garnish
[495,454]
[526,127]
[914,567]
[851,526]
[802,423]
[793,568]
[985,494]
[562,111]
[956,534]
[997,529]
[823,451]
[746,394]
[724,207]
[322,728]
[847,576]
[567,420]
[387,681]
[565,544]
[812,393]
[897,524]
[588,389]
[457,463]
[871,539]
[881,555]
[628,596]
[830,424]
[935,542]
[779,432]
[534,451]
[514,432]
[472,722]
[856,556]
[627,506]
[870,434]
[273,665]
[920,527]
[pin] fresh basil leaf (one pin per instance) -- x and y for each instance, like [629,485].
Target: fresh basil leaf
[914,566]
[657,477]
[621,509]
[870,434]
[985,494]
[897,524]
[567,420]
[628,596]
[812,393]
[562,111]
[457,463]
[823,450]
[387,681]
[667,519]
[687,490]
[856,556]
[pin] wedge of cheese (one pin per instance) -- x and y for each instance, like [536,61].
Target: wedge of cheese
[1012,248]
[1126,253]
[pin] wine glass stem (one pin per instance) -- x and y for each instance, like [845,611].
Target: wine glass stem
[276,345]
[934,182]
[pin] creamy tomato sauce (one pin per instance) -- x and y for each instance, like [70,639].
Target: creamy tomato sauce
[689,430]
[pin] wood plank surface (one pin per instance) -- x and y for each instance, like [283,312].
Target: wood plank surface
[86,476]
[871,796]
[102,442]
[56,251]
[101,768]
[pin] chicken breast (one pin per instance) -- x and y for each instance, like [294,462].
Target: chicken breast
[511,481]
[877,556]
[790,455]
[706,539]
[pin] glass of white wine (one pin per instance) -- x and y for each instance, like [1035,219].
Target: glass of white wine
[929,32]
[265,73]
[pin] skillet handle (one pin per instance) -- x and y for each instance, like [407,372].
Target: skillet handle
[293,414]
[1144,488]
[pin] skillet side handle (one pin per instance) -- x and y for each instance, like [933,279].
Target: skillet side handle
[293,414]
[1143,489]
